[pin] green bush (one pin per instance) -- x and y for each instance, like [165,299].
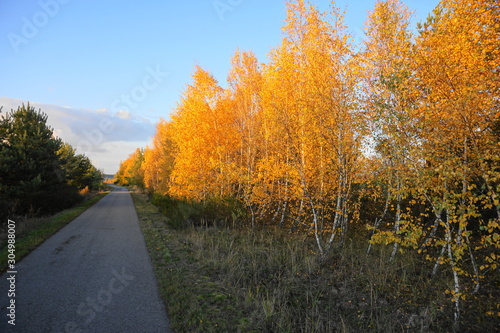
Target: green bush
[181,213]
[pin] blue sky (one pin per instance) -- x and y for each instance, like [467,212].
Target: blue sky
[88,63]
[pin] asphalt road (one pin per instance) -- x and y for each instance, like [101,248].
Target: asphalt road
[94,275]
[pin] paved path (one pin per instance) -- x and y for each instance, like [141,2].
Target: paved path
[94,275]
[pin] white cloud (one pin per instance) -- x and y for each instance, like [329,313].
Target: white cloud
[104,137]
[123,114]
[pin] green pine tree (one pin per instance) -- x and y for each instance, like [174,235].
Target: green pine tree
[78,170]
[32,180]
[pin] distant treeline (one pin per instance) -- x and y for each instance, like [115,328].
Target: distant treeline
[39,173]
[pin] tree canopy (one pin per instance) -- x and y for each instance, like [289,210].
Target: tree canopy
[399,135]
[39,173]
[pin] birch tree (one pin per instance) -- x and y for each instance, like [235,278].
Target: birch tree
[387,58]
[456,83]
[310,122]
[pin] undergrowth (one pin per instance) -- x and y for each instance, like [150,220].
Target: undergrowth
[219,279]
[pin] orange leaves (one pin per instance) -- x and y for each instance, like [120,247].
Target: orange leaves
[215,132]
[159,160]
[310,120]
[286,137]
[131,171]
[433,109]
[451,61]
[196,131]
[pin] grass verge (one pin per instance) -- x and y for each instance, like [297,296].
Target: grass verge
[32,232]
[227,280]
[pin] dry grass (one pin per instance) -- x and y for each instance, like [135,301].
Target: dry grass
[222,280]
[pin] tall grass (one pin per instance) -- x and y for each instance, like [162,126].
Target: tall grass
[279,277]
[220,279]
[180,213]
